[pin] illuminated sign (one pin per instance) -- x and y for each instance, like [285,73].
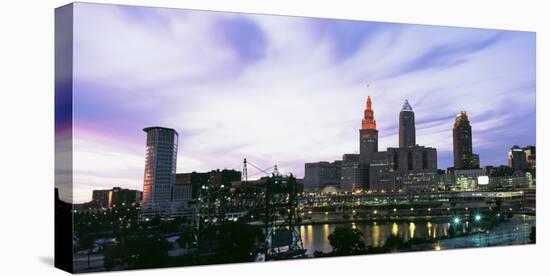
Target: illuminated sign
[482,180]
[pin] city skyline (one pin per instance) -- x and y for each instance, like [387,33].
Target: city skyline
[223,113]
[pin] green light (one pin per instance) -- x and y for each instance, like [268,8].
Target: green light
[478,217]
[456,220]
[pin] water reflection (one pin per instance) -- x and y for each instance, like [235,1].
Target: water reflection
[326,231]
[412,227]
[376,234]
[315,237]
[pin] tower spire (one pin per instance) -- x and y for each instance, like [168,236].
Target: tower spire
[406,106]
[407,128]
[368,121]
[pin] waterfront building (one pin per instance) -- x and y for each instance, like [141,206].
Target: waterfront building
[468,180]
[351,173]
[407,129]
[215,177]
[511,182]
[530,198]
[189,186]
[410,169]
[320,175]
[446,180]
[382,176]
[115,197]
[531,156]
[517,159]
[368,135]
[501,170]
[100,198]
[160,170]
[195,180]
[464,158]
[225,177]
[368,145]
[475,161]
[183,190]
[120,197]
[530,180]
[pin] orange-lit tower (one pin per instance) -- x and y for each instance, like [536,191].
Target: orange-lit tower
[368,121]
[368,135]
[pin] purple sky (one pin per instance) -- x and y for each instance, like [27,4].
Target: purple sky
[283,90]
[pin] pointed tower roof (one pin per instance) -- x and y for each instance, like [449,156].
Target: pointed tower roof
[368,121]
[407,106]
[461,118]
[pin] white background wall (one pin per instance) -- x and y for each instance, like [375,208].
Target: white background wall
[27,155]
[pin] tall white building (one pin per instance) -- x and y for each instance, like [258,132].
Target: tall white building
[160,170]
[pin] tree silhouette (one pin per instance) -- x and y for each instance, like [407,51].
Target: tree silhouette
[346,241]
[238,242]
[138,251]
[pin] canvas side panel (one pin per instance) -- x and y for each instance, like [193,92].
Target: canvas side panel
[64,138]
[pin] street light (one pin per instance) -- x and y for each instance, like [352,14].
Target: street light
[456,220]
[477,218]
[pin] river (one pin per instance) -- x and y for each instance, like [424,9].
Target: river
[315,237]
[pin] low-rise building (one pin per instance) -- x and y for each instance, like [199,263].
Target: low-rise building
[411,169]
[320,175]
[115,197]
[469,179]
[350,173]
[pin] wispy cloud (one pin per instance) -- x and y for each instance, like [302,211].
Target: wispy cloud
[284,90]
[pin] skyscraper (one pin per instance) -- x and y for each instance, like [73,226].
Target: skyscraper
[160,170]
[412,169]
[350,172]
[407,129]
[517,159]
[368,135]
[462,143]
[531,156]
[368,145]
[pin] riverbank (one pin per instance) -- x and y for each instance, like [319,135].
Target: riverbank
[378,219]
[436,235]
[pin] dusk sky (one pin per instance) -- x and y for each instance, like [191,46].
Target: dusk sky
[284,90]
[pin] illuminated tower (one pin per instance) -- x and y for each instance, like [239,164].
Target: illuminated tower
[160,170]
[407,130]
[464,158]
[368,135]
